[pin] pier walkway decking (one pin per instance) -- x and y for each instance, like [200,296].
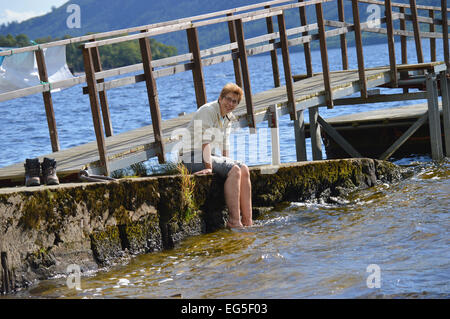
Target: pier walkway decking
[311,91]
[138,143]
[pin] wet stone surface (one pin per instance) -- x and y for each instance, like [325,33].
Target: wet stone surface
[44,230]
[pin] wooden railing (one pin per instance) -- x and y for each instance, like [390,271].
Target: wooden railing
[238,51]
[46,87]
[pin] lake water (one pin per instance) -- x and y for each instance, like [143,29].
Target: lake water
[305,250]
[387,241]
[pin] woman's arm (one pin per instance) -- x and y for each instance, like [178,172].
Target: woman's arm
[206,150]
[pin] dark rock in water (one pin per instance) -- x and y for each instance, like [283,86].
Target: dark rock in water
[45,229]
[297,182]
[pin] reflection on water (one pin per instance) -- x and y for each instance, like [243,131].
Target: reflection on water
[304,250]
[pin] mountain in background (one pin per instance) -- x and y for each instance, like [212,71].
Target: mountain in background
[108,15]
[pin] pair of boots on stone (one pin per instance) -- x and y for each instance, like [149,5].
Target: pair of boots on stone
[33,172]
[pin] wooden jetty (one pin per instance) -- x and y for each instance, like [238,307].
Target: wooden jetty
[311,91]
[372,132]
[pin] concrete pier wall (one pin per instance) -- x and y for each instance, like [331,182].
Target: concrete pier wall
[45,229]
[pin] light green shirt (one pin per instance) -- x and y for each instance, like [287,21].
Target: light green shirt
[207,126]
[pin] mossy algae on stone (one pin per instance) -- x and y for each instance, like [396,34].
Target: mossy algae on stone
[178,216]
[106,245]
[141,236]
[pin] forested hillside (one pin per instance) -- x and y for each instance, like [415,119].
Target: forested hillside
[106,15]
[112,56]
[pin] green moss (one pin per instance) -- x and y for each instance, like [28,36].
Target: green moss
[300,182]
[135,232]
[106,245]
[4,199]
[142,236]
[38,207]
[111,233]
[122,215]
[190,208]
[130,195]
[181,197]
[41,258]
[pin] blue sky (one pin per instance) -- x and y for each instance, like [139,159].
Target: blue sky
[19,10]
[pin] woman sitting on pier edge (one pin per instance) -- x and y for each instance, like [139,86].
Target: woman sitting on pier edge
[214,120]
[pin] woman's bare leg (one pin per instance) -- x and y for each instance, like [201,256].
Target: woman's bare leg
[246,197]
[232,196]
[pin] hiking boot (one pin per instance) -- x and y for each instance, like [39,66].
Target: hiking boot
[49,172]
[32,172]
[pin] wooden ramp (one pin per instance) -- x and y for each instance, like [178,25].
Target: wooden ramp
[138,145]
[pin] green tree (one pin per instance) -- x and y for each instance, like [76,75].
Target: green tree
[22,40]
[8,41]
[112,56]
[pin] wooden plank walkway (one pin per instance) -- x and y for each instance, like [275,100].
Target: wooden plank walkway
[410,112]
[107,154]
[138,143]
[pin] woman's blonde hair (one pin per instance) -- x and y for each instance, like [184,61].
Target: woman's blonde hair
[232,88]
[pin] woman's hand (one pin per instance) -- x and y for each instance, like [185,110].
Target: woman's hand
[205,171]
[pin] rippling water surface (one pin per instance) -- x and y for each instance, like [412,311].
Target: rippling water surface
[302,250]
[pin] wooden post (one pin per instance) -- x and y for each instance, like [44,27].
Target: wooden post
[95,109]
[343,36]
[306,46]
[102,94]
[299,123]
[5,274]
[416,28]
[405,136]
[404,48]
[391,42]
[432,40]
[359,49]
[334,134]
[403,38]
[273,53]
[152,93]
[275,134]
[445,92]
[300,142]
[5,288]
[48,102]
[197,71]
[324,56]
[287,67]
[434,118]
[445,33]
[236,64]
[245,75]
[314,131]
